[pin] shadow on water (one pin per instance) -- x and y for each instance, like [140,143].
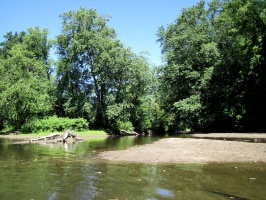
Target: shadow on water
[252,140]
[57,171]
[228,195]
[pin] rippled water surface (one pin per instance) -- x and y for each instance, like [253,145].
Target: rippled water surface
[57,171]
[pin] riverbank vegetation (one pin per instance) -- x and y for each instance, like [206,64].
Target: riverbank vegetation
[212,79]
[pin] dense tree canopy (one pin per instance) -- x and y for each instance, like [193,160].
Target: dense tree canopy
[213,78]
[24,85]
[215,66]
[191,54]
[98,78]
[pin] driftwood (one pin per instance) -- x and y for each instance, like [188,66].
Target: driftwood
[128,133]
[68,133]
[54,137]
[49,137]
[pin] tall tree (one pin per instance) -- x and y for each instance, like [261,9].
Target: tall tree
[24,86]
[79,49]
[215,67]
[96,72]
[191,54]
[239,78]
[25,90]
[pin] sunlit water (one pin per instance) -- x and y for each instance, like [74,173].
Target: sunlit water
[57,171]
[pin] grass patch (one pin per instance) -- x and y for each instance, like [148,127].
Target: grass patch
[87,132]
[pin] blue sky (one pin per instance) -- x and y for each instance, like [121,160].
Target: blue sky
[136,21]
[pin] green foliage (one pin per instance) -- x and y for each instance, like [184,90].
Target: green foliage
[10,40]
[120,125]
[118,111]
[86,47]
[214,79]
[54,123]
[97,77]
[190,52]
[241,40]
[24,87]
[6,128]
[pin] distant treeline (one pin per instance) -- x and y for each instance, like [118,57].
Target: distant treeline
[213,79]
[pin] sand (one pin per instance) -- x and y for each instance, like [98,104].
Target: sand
[191,150]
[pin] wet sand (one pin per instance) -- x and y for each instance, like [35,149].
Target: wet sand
[191,150]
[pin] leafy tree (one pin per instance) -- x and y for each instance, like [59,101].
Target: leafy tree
[10,40]
[38,43]
[239,80]
[97,77]
[24,86]
[215,58]
[81,47]
[190,53]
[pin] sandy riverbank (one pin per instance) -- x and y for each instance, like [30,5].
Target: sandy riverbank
[198,149]
[190,150]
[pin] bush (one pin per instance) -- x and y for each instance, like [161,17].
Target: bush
[54,123]
[120,125]
[127,126]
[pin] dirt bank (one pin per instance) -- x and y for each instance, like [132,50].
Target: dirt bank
[190,150]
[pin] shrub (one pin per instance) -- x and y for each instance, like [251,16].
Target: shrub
[54,123]
[121,125]
[126,126]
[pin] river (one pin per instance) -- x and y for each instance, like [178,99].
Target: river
[71,171]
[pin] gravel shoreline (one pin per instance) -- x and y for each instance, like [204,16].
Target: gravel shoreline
[190,150]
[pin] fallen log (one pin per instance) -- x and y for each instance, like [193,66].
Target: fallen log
[67,134]
[128,133]
[49,137]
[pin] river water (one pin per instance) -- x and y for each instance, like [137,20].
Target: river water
[71,171]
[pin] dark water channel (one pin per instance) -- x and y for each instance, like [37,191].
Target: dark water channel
[57,171]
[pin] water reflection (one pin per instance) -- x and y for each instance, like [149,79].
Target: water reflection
[165,192]
[57,171]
